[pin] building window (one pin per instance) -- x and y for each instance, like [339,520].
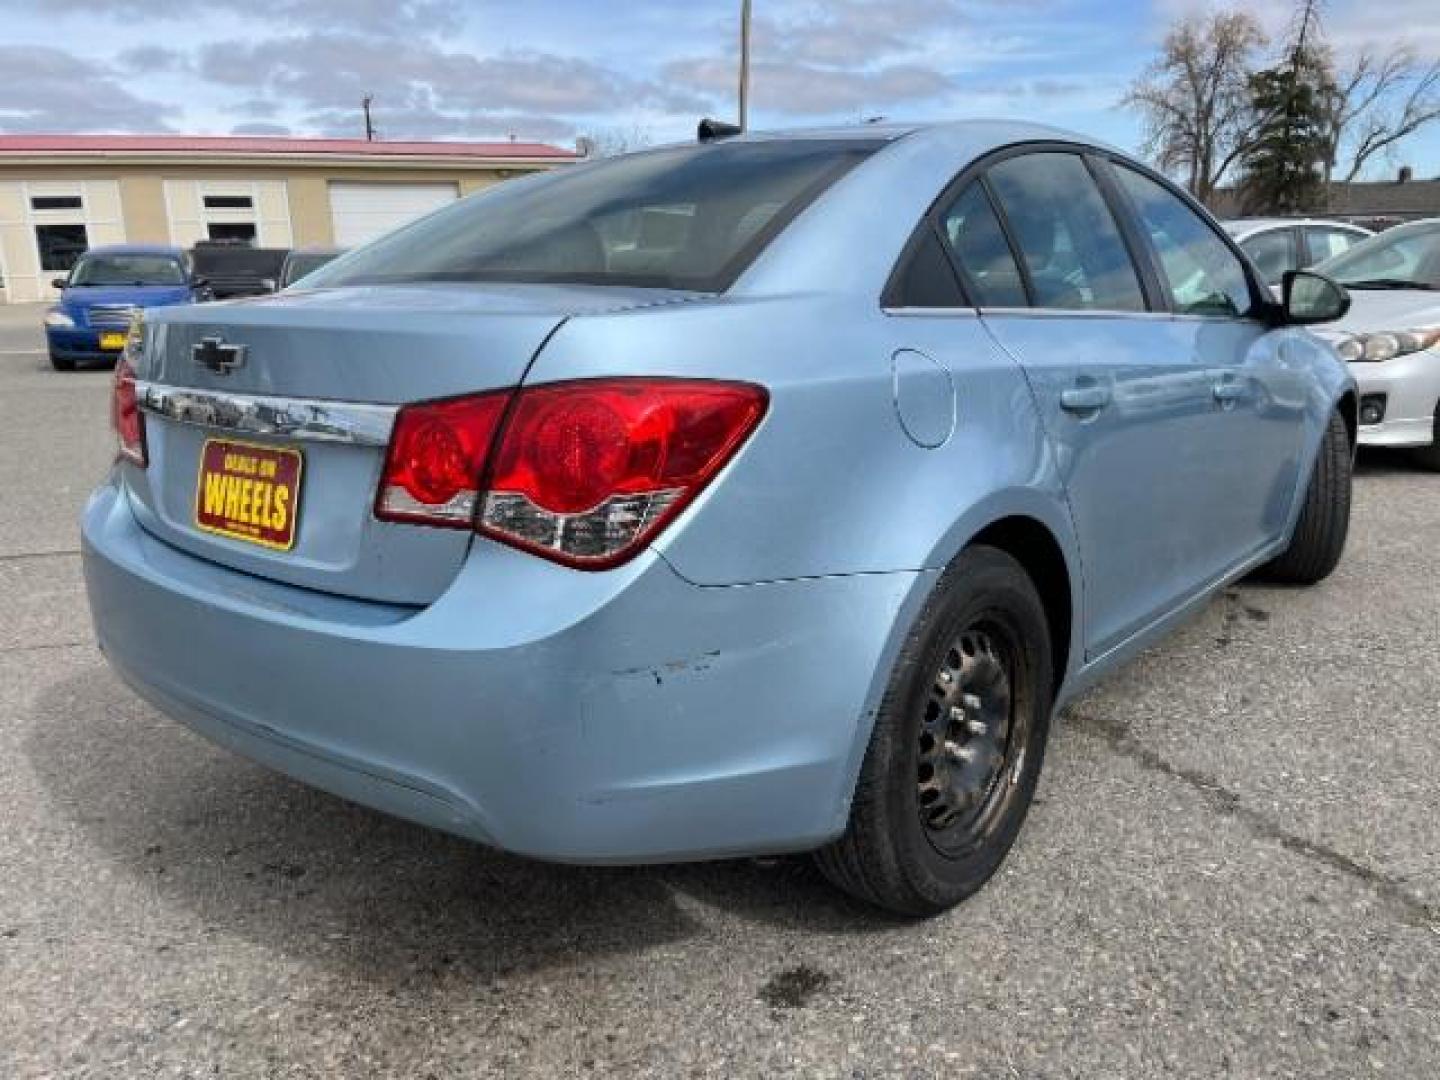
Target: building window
[55,202]
[229,202]
[60,246]
[234,232]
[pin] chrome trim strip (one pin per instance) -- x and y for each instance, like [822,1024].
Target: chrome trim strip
[1107,313]
[931,312]
[351,423]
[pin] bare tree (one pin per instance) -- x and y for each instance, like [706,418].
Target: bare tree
[1378,101]
[612,141]
[1195,98]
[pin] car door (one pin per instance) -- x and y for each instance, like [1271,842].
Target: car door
[1128,409]
[1257,379]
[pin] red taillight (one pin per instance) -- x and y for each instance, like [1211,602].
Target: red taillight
[585,473]
[437,453]
[125,415]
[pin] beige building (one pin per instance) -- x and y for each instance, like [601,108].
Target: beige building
[62,194]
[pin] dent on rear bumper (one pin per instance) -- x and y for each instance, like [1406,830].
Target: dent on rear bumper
[619,717]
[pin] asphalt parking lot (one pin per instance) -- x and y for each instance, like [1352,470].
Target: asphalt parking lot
[1233,868]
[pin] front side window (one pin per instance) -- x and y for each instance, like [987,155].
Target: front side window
[128,270]
[60,246]
[686,218]
[1075,256]
[1273,253]
[979,243]
[1202,275]
[1325,243]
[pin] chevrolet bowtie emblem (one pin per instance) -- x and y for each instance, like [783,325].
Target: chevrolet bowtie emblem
[215,354]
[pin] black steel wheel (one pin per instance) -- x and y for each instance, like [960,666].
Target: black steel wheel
[971,740]
[957,746]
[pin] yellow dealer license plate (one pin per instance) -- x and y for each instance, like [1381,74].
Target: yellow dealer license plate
[249,492]
[112,341]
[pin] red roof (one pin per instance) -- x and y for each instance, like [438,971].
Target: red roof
[205,144]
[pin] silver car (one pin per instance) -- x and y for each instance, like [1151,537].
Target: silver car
[1279,245]
[1392,336]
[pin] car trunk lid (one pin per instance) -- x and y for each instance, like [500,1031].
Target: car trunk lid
[306,385]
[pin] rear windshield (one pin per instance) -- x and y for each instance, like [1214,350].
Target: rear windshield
[684,218]
[128,270]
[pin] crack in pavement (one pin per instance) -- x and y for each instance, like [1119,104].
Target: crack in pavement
[21,556]
[9,650]
[1411,910]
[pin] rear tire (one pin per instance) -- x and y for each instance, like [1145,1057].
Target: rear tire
[1429,456]
[957,746]
[1324,523]
[61,363]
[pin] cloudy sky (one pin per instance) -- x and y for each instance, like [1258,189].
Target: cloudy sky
[555,69]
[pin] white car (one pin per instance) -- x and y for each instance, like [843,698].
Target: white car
[1391,337]
[1277,245]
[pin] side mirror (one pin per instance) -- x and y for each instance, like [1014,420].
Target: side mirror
[59,283]
[1309,298]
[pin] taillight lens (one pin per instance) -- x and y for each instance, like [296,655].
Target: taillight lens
[125,415]
[437,453]
[587,472]
[584,473]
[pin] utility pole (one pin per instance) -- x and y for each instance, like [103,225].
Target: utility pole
[744,64]
[369,127]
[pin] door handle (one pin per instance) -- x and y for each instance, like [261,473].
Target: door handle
[1085,399]
[1226,392]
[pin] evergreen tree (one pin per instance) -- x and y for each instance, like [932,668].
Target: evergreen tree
[1283,169]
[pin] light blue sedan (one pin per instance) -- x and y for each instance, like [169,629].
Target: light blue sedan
[762,495]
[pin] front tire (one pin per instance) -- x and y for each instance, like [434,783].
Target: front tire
[1324,523]
[957,746]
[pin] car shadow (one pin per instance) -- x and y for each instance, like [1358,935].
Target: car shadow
[256,854]
[1379,461]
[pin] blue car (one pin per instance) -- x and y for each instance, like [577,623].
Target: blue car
[104,288]
[767,494]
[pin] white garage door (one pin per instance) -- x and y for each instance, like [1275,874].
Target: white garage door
[362,212]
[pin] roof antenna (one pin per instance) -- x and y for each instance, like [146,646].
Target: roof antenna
[715,130]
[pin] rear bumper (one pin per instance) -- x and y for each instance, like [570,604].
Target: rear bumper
[619,717]
[1411,385]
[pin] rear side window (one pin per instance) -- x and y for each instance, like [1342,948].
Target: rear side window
[1273,253]
[975,235]
[685,218]
[1075,256]
[1202,275]
[1327,243]
[927,280]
